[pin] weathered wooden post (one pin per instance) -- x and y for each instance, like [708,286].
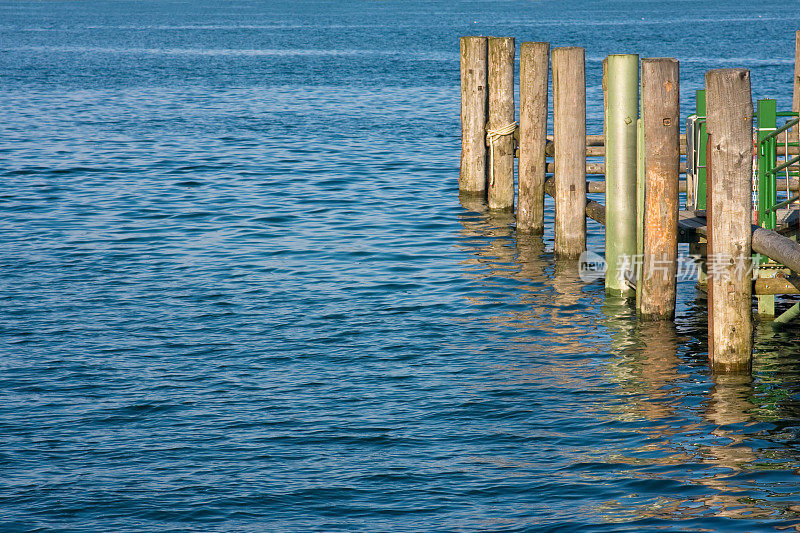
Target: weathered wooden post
[534,61]
[569,139]
[621,113]
[729,120]
[500,130]
[661,124]
[474,112]
[640,179]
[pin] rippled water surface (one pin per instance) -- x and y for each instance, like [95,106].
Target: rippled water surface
[238,291]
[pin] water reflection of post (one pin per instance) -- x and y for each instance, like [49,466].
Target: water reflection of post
[475,203]
[618,321]
[568,319]
[647,370]
[533,264]
[568,290]
[729,403]
[488,237]
[496,251]
[660,368]
[516,257]
[530,251]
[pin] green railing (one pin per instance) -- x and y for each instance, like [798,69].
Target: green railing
[696,137]
[768,138]
[767,164]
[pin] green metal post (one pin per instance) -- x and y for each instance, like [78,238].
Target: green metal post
[766,123]
[789,315]
[621,113]
[701,156]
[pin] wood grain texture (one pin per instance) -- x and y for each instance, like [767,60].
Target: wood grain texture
[661,123]
[729,110]
[534,63]
[474,112]
[501,113]
[569,139]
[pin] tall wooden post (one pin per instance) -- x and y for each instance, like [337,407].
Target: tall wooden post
[474,112]
[500,130]
[640,179]
[622,110]
[661,120]
[569,139]
[729,111]
[534,61]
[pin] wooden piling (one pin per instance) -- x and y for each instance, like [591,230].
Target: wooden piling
[639,206]
[500,129]
[534,61]
[569,134]
[729,111]
[621,112]
[661,124]
[474,112]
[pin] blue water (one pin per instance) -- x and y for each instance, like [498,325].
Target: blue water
[238,291]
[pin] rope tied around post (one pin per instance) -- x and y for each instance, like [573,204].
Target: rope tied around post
[494,135]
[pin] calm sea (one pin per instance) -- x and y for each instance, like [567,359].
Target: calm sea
[238,291]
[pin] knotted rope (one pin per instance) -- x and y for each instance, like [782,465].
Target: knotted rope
[494,135]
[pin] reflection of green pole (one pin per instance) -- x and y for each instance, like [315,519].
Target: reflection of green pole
[622,110]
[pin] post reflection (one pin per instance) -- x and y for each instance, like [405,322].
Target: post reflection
[646,371]
[657,393]
[680,427]
[522,284]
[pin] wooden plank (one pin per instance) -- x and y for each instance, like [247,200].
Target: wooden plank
[599,169]
[599,187]
[595,146]
[780,284]
[594,210]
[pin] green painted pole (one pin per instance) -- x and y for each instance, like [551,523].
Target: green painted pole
[622,103]
[789,315]
[766,123]
[766,113]
[701,150]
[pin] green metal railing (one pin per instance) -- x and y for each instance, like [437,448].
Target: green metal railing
[767,164]
[696,137]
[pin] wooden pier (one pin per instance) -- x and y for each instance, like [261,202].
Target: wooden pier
[644,156]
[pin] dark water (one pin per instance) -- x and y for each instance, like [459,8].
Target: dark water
[238,291]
